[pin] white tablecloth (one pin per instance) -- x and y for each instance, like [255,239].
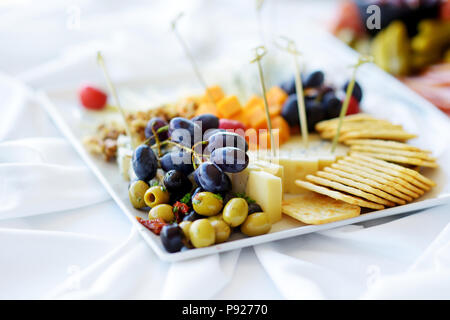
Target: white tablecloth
[61,236]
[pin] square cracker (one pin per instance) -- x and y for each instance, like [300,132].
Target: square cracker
[322,125]
[314,208]
[392,151]
[398,168]
[365,168]
[351,190]
[397,135]
[384,144]
[397,158]
[338,195]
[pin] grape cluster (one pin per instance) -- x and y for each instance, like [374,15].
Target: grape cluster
[197,157]
[322,102]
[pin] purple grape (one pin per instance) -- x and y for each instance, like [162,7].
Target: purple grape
[226,139]
[177,160]
[184,131]
[230,159]
[144,162]
[156,123]
[206,121]
[211,178]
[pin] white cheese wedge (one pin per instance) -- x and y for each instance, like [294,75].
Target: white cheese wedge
[271,167]
[266,190]
[297,168]
[239,180]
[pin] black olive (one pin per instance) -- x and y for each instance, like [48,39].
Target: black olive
[172,237]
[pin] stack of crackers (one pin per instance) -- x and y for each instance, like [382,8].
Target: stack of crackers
[392,151]
[377,172]
[362,126]
[368,182]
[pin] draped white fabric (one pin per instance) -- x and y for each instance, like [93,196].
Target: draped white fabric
[61,235]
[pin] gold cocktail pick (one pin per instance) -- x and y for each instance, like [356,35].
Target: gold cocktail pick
[361,60]
[113,91]
[260,52]
[258,7]
[291,48]
[199,75]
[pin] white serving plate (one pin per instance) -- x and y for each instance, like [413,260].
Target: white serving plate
[384,97]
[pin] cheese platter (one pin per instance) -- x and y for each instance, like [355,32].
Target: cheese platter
[378,167]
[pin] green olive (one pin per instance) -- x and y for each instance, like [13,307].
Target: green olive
[216,217]
[185,226]
[163,211]
[202,233]
[235,211]
[221,228]
[256,224]
[207,203]
[136,192]
[156,195]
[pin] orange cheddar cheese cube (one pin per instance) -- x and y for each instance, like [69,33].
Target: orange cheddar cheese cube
[216,93]
[276,96]
[264,139]
[228,106]
[241,117]
[279,123]
[207,108]
[275,110]
[257,119]
[253,102]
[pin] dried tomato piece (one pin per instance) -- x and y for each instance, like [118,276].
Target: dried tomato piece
[154,225]
[180,209]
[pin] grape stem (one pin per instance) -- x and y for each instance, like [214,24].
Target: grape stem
[157,142]
[361,60]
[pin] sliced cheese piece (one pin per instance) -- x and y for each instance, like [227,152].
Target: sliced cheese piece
[297,169]
[266,190]
[271,167]
[326,161]
[239,180]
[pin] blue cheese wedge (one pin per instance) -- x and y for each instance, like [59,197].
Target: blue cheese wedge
[124,155]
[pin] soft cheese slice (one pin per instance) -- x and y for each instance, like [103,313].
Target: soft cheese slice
[266,190]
